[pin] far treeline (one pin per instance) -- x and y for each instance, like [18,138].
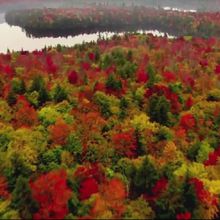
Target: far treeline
[74,21]
[201,5]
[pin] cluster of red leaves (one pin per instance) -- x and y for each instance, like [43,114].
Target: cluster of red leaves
[111,197]
[85,66]
[160,186]
[204,63]
[125,144]
[188,80]
[92,170]
[4,188]
[202,194]
[189,102]
[26,115]
[99,87]
[9,71]
[52,194]
[91,56]
[213,158]
[89,177]
[217,69]
[88,187]
[114,189]
[187,121]
[73,77]
[142,76]
[51,67]
[59,132]
[169,76]
[180,132]
[183,216]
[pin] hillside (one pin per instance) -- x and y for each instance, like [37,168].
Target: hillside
[123,128]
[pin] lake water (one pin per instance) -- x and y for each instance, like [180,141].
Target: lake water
[15,39]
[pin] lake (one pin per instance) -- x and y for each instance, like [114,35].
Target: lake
[15,39]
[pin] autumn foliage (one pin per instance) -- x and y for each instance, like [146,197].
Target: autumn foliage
[59,132]
[52,194]
[4,194]
[26,115]
[125,128]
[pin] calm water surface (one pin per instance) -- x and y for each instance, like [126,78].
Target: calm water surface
[15,39]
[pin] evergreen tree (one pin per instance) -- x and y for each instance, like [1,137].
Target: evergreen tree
[22,199]
[59,94]
[113,83]
[18,86]
[43,96]
[144,178]
[159,108]
[37,84]
[11,99]
[152,76]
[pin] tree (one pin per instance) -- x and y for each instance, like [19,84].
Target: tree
[26,116]
[59,132]
[144,179]
[187,121]
[37,83]
[60,94]
[22,199]
[43,96]
[52,194]
[159,109]
[73,77]
[125,144]
[152,76]
[11,98]
[18,86]
[113,84]
[88,187]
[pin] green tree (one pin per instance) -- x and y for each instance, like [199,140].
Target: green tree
[37,84]
[22,199]
[113,83]
[43,96]
[60,94]
[11,99]
[152,76]
[18,86]
[159,109]
[144,178]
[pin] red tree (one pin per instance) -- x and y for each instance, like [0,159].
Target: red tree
[183,216]
[87,188]
[26,114]
[52,194]
[187,121]
[125,143]
[73,77]
[59,132]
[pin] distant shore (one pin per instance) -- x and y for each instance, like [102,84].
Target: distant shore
[74,21]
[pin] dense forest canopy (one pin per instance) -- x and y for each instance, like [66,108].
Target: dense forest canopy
[121,127]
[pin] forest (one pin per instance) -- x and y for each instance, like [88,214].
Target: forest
[121,128]
[124,127]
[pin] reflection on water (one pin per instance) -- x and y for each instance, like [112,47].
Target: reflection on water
[14,39]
